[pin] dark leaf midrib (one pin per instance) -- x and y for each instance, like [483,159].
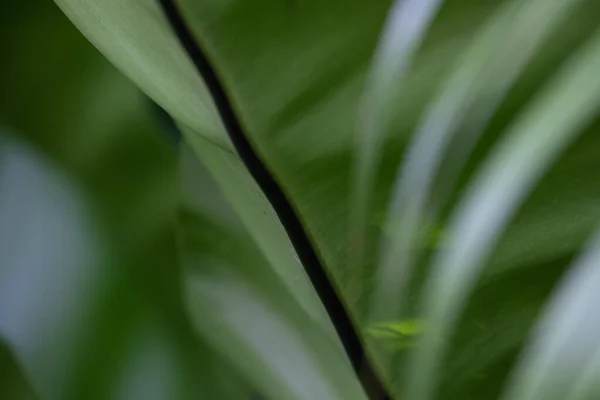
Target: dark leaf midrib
[283,208]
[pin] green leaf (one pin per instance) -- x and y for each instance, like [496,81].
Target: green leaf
[240,303]
[296,72]
[586,384]
[57,287]
[13,384]
[565,343]
[256,214]
[473,92]
[39,318]
[91,296]
[552,122]
[161,68]
[401,36]
[135,36]
[296,84]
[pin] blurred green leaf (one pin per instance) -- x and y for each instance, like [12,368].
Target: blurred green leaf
[297,72]
[136,37]
[401,37]
[483,76]
[240,303]
[536,139]
[562,355]
[51,267]
[254,211]
[58,291]
[13,384]
[399,328]
[107,323]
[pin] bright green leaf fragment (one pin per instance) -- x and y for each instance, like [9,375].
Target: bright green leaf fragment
[408,327]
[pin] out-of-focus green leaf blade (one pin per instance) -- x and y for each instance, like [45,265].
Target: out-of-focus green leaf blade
[95,130]
[136,37]
[402,34]
[566,340]
[296,84]
[483,76]
[149,53]
[257,215]
[296,94]
[586,385]
[51,261]
[240,304]
[54,280]
[295,71]
[13,383]
[536,139]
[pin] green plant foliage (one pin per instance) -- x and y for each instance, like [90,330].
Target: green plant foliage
[257,216]
[229,288]
[90,299]
[488,69]
[563,355]
[14,385]
[442,157]
[531,145]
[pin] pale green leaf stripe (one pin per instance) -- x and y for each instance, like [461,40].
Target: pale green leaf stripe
[486,72]
[281,358]
[567,338]
[260,220]
[50,267]
[150,369]
[135,36]
[588,383]
[530,147]
[53,277]
[403,32]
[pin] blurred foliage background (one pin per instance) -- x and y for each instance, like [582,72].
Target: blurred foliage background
[136,267]
[66,114]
